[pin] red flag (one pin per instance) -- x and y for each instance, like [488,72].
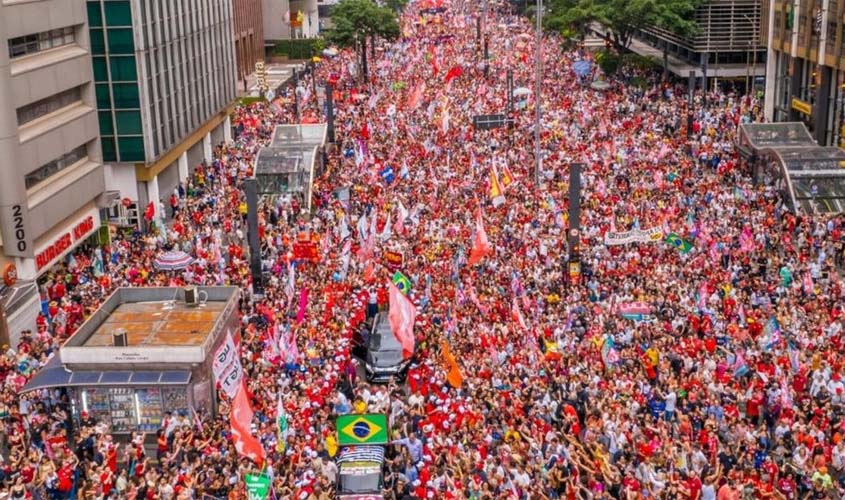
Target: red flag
[415,96]
[453,73]
[480,245]
[365,131]
[434,67]
[402,315]
[240,418]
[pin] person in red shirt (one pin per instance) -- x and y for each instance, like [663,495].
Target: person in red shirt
[693,486]
[787,487]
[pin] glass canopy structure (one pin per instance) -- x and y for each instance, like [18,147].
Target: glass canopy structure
[810,178]
[287,166]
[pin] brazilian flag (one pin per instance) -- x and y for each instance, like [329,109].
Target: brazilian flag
[358,429]
[402,282]
[676,241]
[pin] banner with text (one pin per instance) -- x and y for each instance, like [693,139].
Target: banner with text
[227,366]
[652,235]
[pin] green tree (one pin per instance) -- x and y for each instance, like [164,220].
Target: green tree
[675,16]
[572,18]
[623,18]
[356,21]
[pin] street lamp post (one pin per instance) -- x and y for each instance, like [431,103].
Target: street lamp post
[537,86]
[751,71]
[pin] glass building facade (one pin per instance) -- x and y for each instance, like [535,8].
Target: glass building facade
[116,80]
[806,44]
[161,70]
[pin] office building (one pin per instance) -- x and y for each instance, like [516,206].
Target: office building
[51,179]
[727,45]
[165,80]
[806,66]
[249,35]
[290,19]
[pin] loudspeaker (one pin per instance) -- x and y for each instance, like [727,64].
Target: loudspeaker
[191,295]
[120,338]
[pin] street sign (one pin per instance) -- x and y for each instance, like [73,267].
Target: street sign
[488,122]
[257,486]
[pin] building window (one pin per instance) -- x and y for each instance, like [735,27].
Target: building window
[118,13]
[125,96]
[123,69]
[131,148]
[103,97]
[832,26]
[106,124]
[47,105]
[120,41]
[98,41]
[95,17]
[109,149]
[31,44]
[101,72]
[56,166]
[128,122]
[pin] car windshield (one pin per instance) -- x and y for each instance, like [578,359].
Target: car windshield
[384,341]
[360,477]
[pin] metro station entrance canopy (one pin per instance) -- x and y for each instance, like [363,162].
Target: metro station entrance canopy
[811,178]
[288,165]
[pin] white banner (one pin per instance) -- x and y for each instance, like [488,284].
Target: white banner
[227,368]
[652,235]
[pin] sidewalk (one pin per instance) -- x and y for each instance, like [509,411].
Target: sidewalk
[277,74]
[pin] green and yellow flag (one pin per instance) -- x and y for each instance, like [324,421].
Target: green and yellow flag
[368,428]
[402,282]
[676,241]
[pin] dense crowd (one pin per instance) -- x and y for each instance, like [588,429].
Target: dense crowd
[732,389]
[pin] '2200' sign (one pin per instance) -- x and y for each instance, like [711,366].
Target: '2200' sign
[18,226]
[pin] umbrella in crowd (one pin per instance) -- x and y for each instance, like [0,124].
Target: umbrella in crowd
[173,260]
[582,68]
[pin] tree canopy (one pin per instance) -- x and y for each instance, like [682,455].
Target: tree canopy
[355,20]
[621,18]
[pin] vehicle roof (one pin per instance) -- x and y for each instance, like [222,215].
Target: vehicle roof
[381,325]
[357,454]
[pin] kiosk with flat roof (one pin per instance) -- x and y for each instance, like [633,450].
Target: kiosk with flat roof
[144,352]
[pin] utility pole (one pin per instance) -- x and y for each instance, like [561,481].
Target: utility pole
[537,86]
[330,112]
[296,95]
[690,102]
[4,328]
[251,191]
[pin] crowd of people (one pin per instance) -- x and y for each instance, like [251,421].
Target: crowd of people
[729,385]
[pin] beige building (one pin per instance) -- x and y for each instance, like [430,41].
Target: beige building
[51,173]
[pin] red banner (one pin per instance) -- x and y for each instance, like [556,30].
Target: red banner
[393,260]
[306,250]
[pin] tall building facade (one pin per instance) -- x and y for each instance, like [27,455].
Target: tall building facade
[249,35]
[806,66]
[51,173]
[291,19]
[165,80]
[726,46]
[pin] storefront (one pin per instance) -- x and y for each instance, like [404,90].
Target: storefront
[57,243]
[144,353]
